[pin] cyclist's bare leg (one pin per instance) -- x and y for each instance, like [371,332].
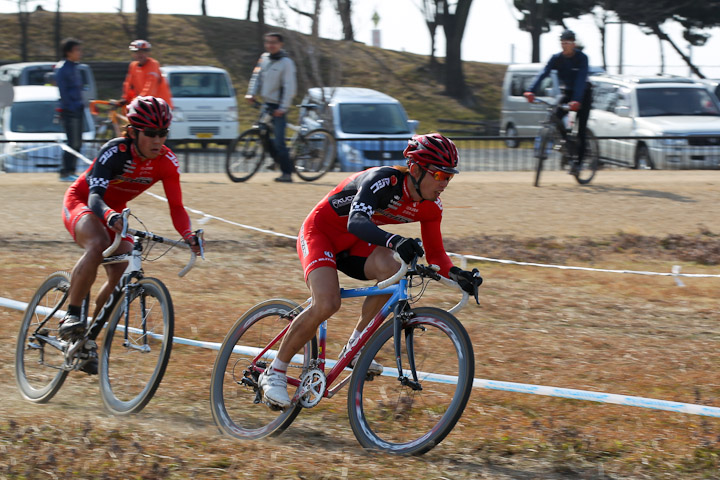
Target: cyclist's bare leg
[114,271]
[92,236]
[379,266]
[325,291]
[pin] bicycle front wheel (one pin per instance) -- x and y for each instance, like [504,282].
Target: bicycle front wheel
[235,397]
[591,162]
[313,154]
[137,346]
[541,145]
[39,361]
[386,415]
[245,155]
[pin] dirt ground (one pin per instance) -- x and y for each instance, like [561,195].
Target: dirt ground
[627,334]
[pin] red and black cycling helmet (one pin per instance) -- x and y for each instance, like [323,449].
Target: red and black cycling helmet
[432,149]
[139,45]
[149,112]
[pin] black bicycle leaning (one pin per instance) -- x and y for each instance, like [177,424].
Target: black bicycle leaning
[554,135]
[311,151]
[136,348]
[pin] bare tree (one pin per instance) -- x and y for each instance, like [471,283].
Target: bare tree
[344,9]
[314,16]
[24,18]
[454,27]
[141,21]
[429,10]
[202,7]
[58,31]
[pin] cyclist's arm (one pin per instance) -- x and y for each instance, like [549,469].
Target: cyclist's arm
[128,90]
[98,180]
[173,193]
[254,85]
[289,84]
[374,192]
[433,245]
[544,73]
[581,78]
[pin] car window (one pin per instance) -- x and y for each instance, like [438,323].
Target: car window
[37,76]
[675,101]
[38,117]
[377,118]
[199,85]
[603,96]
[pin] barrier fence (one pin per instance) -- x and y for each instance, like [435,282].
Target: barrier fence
[486,153]
[600,397]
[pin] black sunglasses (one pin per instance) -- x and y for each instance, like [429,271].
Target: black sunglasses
[155,133]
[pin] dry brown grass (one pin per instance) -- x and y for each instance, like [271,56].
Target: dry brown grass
[622,334]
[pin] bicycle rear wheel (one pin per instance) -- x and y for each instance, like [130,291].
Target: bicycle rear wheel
[386,415]
[39,361]
[591,162]
[313,154]
[245,155]
[235,398]
[132,364]
[541,151]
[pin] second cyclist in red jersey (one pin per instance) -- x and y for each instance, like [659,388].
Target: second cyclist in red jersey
[124,168]
[342,233]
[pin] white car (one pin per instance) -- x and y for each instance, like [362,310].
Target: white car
[679,109]
[31,129]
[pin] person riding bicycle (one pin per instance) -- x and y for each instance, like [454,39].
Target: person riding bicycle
[342,233]
[123,169]
[572,69]
[274,80]
[144,77]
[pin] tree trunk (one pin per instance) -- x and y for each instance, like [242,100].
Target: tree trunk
[58,32]
[314,16]
[260,21]
[454,27]
[202,7]
[249,10]
[663,36]
[141,19]
[536,12]
[24,18]
[344,8]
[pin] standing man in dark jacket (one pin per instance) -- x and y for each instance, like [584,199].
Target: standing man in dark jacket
[70,84]
[274,80]
[572,70]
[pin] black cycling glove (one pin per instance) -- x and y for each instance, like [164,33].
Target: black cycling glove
[407,248]
[468,281]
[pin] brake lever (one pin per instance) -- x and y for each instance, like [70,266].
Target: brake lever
[476,274]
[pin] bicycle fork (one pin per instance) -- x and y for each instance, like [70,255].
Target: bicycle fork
[133,290]
[400,314]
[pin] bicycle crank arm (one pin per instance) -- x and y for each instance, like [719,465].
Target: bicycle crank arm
[52,341]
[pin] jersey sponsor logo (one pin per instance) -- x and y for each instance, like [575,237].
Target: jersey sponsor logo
[97,182]
[383,182]
[143,180]
[107,154]
[338,203]
[123,147]
[328,254]
[393,180]
[173,158]
[303,243]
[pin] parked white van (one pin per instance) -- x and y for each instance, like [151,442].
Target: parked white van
[33,116]
[204,104]
[42,73]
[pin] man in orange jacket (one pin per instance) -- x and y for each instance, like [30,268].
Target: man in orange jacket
[144,77]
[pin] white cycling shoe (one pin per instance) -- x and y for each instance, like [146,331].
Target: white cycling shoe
[375,367]
[274,387]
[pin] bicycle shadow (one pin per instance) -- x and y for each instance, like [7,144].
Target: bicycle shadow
[637,192]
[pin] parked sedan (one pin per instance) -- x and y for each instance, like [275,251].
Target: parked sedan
[34,117]
[680,109]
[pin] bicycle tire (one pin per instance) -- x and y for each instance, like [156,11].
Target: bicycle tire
[387,416]
[591,162]
[245,155]
[540,153]
[130,374]
[313,154]
[232,403]
[39,371]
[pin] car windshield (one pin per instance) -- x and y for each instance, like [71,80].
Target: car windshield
[199,85]
[653,102]
[373,118]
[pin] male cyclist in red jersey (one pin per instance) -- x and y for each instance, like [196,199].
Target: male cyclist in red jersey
[124,168]
[342,233]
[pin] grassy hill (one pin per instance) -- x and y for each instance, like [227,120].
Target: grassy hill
[234,45]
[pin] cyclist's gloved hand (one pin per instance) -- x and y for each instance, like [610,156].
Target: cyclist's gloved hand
[195,243]
[468,281]
[574,106]
[530,96]
[407,248]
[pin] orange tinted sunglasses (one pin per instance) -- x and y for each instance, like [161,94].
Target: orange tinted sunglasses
[439,175]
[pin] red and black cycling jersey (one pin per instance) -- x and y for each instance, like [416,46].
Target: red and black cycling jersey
[380,196]
[118,174]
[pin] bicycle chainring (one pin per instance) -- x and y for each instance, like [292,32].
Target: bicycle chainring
[312,387]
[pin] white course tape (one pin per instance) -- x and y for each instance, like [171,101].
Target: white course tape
[600,397]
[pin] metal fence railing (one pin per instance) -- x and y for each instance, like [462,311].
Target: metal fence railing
[486,153]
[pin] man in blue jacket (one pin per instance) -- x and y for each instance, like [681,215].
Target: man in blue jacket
[69,82]
[572,69]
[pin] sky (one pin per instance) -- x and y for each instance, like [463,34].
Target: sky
[491,35]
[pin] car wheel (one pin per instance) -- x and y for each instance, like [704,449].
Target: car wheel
[511,131]
[643,161]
